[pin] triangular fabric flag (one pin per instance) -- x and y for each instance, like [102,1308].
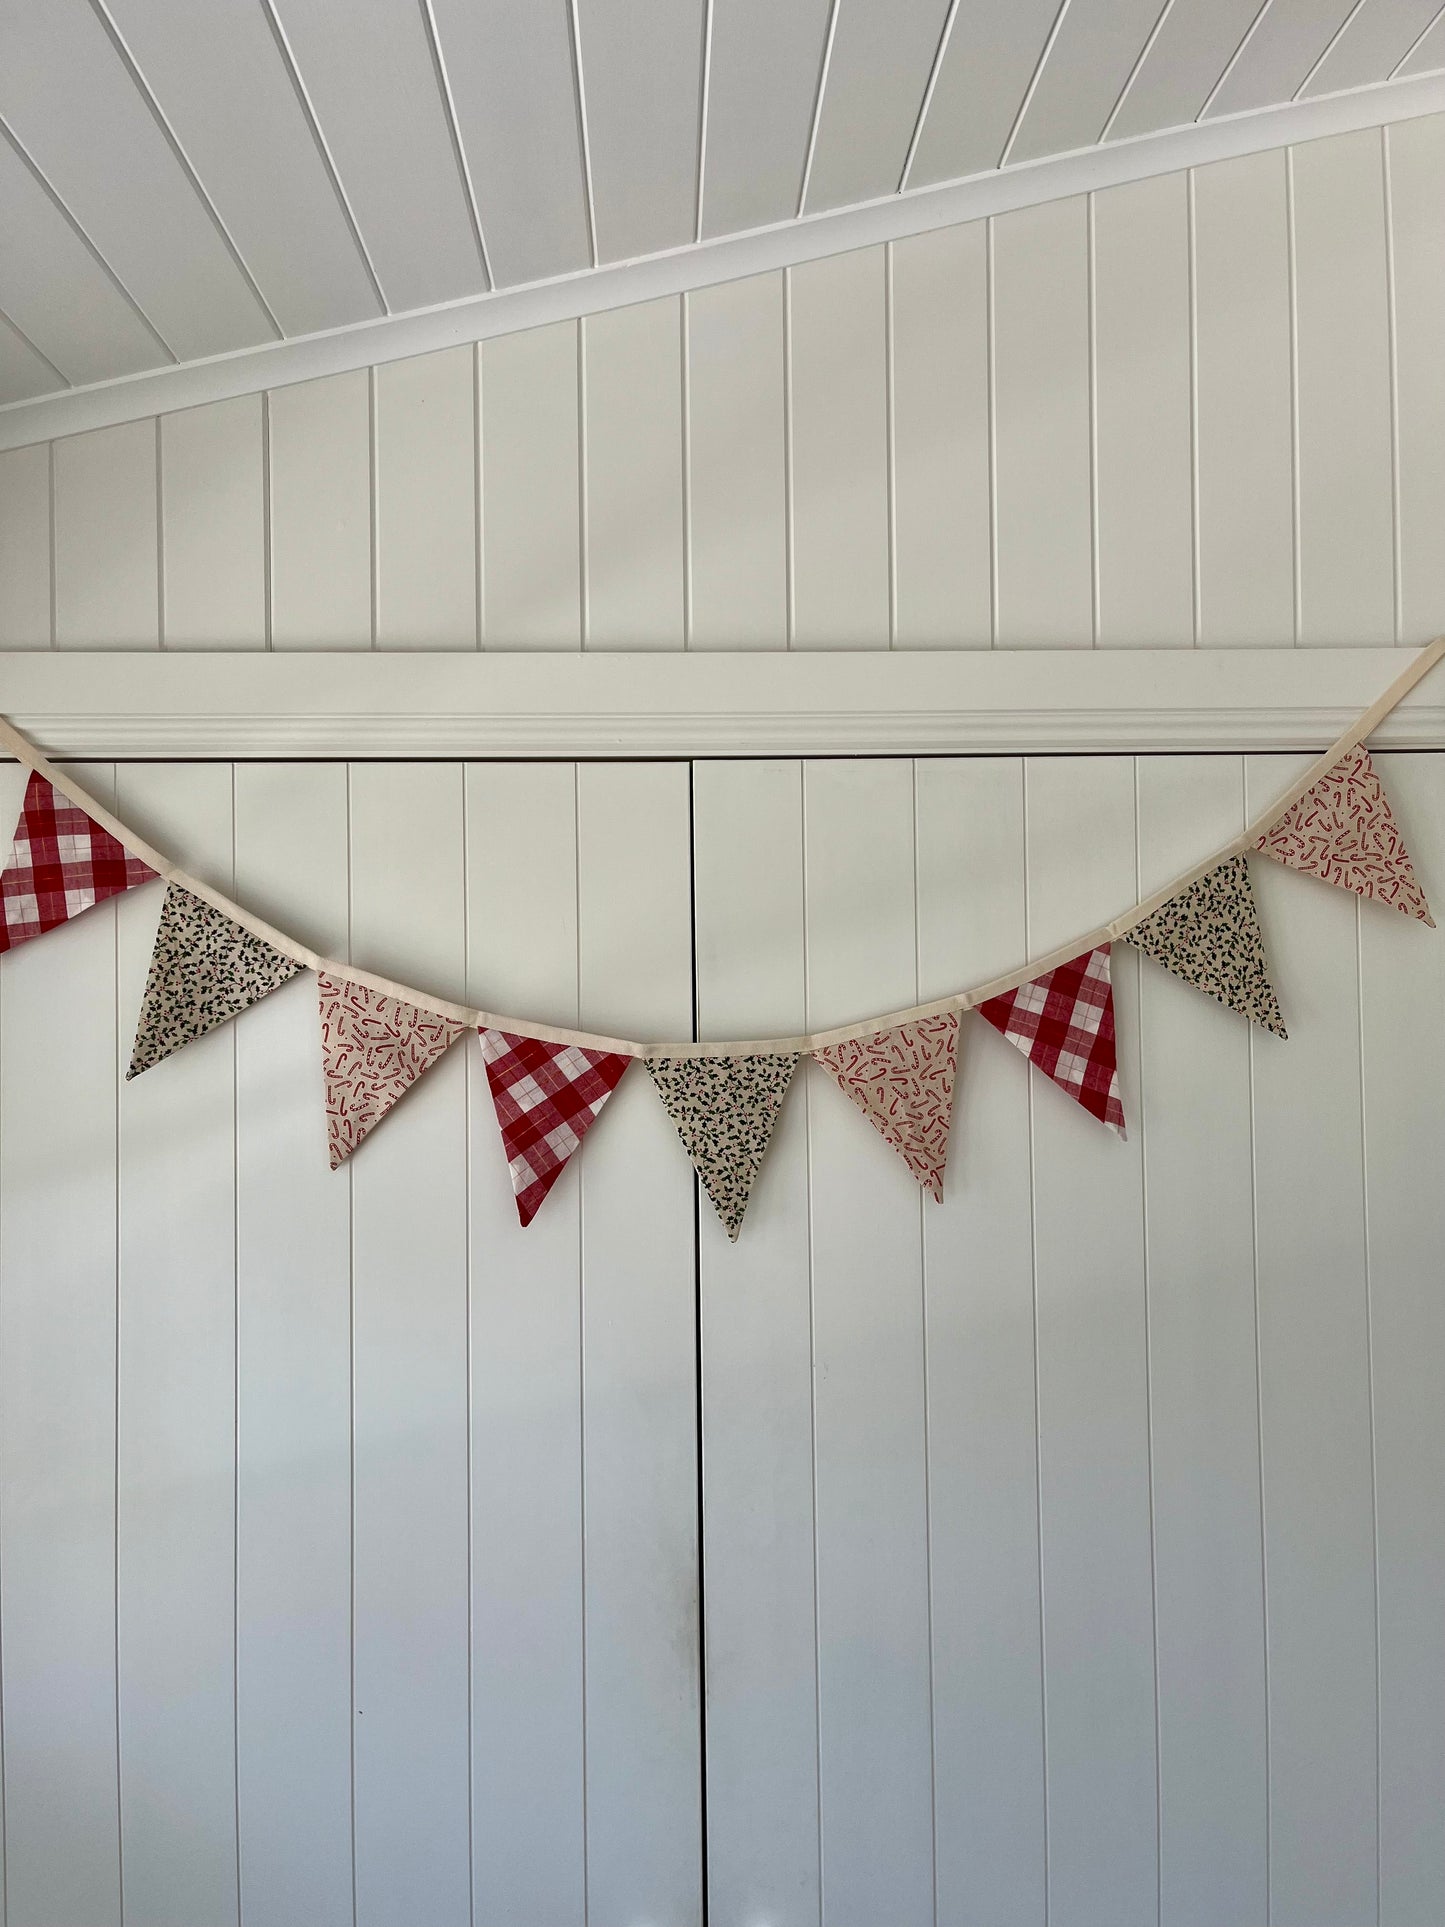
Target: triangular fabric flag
[546,1097]
[373,1049]
[62,862]
[205,969]
[724,1109]
[1209,935]
[902,1082]
[1064,1023]
[1343,830]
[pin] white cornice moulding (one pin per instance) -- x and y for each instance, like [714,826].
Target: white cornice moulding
[704,263]
[249,704]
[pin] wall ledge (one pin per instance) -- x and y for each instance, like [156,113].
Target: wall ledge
[251,704]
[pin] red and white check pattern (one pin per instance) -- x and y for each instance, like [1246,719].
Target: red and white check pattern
[546,1096]
[61,863]
[1064,1023]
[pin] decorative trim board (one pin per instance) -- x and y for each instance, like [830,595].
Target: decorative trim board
[250,704]
[729,258]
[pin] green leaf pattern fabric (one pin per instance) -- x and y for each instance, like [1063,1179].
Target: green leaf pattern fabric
[724,1110]
[1209,936]
[205,969]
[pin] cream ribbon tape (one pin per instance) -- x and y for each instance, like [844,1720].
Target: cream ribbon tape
[26,753]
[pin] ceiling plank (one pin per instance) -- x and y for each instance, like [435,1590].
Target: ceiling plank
[983,75]
[1085,71]
[878,71]
[375,92]
[730,257]
[1193,47]
[219,79]
[54,289]
[641,66]
[1373,43]
[24,371]
[66,94]
[1428,53]
[1288,38]
[762,85]
[511,76]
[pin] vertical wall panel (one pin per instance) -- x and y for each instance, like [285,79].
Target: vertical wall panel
[632,388]
[737,532]
[320,495]
[106,571]
[293,1380]
[426,502]
[757,1403]
[176,1415]
[528,1806]
[1315,1402]
[409,1351]
[1099,1707]
[982,1443]
[1044,537]
[838,411]
[530,490]
[1199,1249]
[1403,1060]
[942,549]
[1144,458]
[875,1762]
[57,1416]
[1244,409]
[213,538]
[643,1637]
[25,548]
[1346,548]
[1416,155]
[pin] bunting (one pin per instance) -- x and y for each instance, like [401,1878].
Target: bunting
[205,969]
[724,1110]
[1063,1022]
[212,959]
[61,862]
[1209,936]
[373,1049]
[1343,830]
[546,1097]
[902,1081]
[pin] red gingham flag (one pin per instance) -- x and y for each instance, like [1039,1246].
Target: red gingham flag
[546,1096]
[1064,1023]
[61,863]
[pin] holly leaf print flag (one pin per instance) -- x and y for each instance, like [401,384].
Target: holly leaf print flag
[205,969]
[724,1110]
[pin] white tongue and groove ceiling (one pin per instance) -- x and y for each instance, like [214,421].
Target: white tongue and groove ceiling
[182,180]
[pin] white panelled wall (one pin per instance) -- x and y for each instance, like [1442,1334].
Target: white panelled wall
[1071,1549]
[1205,408]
